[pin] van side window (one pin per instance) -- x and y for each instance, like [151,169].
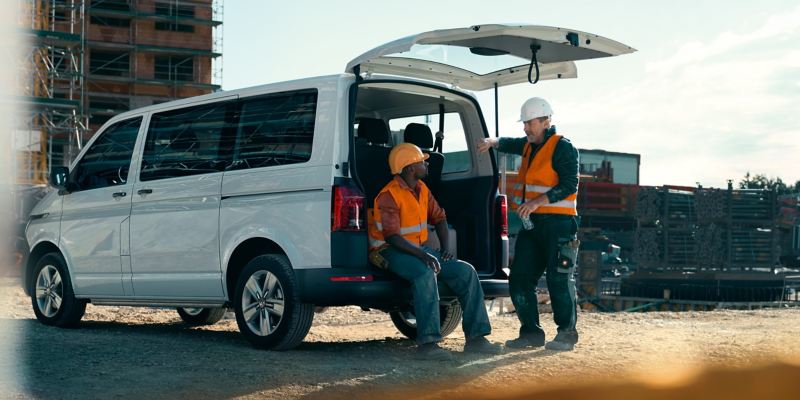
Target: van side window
[189,141]
[107,162]
[276,129]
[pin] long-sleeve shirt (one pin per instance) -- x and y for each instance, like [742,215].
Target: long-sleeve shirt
[565,163]
[390,212]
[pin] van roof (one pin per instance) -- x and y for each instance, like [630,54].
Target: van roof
[269,87]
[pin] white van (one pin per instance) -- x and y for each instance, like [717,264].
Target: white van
[254,199]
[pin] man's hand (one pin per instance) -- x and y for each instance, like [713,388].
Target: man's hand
[447,255]
[431,262]
[530,206]
[483,145]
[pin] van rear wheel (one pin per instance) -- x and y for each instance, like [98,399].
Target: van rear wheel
[201,316]
[267,304]
[449,319]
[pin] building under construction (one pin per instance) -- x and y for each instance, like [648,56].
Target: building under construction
[90,60]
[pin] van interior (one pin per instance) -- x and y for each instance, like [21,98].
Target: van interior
[462,181]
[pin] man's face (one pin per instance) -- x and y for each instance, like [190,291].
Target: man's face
[534,129]
[419,169]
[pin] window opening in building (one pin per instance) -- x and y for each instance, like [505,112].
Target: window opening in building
[176,11]
[115,5]
[109,21]
[110,63]
[174,68]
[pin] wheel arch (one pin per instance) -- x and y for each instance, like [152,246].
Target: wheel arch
[244,252]
[39,250]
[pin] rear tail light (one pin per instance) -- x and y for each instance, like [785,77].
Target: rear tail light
[502,204]
[347,209]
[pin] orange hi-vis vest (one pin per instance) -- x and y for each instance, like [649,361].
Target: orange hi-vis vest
[537,177]
[413,215]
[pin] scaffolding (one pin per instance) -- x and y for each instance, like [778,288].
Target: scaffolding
[89,60]
[50,132]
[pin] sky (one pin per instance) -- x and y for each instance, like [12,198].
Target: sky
[712,92]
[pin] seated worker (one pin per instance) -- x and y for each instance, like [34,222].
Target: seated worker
[397,230]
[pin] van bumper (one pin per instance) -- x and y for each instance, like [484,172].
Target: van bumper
[378,289]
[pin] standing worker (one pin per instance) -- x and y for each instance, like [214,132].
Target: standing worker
[545,199]
[397,230]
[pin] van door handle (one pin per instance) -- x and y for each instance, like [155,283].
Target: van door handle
[144,191]
[118,195]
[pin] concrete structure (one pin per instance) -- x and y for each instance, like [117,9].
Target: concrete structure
[90,60]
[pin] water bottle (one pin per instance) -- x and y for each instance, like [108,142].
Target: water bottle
[527,224]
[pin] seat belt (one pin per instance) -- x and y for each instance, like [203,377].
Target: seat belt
[437,145]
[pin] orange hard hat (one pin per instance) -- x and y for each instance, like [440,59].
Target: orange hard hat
[405,154]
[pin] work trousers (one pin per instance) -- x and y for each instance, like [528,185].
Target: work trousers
[536,252]
[458,275]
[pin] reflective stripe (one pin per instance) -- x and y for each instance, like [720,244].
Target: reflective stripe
[563,203]
[411,229]
[403,231]
[537,188]
[376,242]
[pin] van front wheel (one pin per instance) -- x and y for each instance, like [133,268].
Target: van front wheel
[267,305]
[53,300]
[201,316]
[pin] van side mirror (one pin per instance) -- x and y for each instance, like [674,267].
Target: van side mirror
[59,177]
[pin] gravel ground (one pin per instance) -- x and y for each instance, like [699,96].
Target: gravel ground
[123,352]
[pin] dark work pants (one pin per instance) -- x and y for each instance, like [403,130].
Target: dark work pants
[536,252]
[458,275]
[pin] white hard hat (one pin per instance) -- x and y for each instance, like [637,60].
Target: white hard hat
[535,107]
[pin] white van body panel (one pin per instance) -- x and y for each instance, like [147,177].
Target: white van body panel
[94,229]
[175,237]
[290,204]
[46,227]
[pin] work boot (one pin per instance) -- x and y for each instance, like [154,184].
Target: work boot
[483,346]
[525,342]
[432,352]
[558,345]
[564,341]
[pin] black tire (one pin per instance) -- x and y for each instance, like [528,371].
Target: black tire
[293,323]
[51,281]
[201,316]
[449,320]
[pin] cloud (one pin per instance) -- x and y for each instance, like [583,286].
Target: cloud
[708,113]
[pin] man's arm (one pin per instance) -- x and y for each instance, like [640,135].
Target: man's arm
[504,145]
[438,218]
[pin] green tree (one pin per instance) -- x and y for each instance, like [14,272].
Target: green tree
[761,181]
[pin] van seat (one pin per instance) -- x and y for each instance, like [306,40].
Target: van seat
[420,135]
[372,156]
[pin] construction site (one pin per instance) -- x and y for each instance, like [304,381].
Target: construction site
[86,61]
[90,60]
[644,247]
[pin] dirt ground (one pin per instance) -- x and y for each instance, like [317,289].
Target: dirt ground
[349,353]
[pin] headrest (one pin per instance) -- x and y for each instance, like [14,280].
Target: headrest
[182,141]
[419,134]
[373,130]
